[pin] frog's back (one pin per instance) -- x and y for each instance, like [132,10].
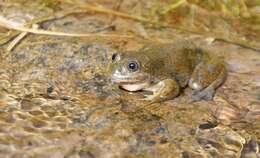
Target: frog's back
[176,60]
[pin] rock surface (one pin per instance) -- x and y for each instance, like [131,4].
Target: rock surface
[56,100]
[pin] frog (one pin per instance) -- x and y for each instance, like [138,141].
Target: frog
[163,71]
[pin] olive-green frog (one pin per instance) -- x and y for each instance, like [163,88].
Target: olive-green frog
[165,69]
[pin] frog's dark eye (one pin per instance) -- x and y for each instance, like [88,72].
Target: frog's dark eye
[133,66]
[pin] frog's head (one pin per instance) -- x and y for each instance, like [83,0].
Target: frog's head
[128,71]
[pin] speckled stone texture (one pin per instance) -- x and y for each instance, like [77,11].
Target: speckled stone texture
[57,101]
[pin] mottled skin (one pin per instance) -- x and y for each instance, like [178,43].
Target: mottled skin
[165,69]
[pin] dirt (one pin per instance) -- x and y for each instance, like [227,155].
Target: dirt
[56,98]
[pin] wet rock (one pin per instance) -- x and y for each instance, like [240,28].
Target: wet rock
[56,99]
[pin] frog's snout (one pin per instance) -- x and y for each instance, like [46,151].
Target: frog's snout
[118,76]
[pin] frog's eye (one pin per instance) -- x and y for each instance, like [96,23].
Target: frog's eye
[115,57]
[133,66]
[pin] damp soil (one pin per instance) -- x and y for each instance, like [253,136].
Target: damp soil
[56,98]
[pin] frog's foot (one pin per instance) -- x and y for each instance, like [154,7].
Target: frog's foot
[152,98]
[163,90]
[156,90]
[205,94]
[206,78]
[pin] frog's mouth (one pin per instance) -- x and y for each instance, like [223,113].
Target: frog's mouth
[130,83]
[134,87]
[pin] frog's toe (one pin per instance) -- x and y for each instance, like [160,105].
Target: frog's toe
[150,98]
[194,96]
[206,94]
[209,95]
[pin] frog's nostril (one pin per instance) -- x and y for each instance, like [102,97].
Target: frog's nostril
[115,57]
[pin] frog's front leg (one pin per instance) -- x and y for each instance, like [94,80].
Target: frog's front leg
[163,90]
[206,77]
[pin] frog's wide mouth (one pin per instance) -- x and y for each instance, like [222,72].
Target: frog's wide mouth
[134,87]
[130,83]
[124,79]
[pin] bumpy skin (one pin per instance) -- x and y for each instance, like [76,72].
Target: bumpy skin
[165,69]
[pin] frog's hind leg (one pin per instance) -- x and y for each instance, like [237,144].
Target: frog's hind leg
[206,78]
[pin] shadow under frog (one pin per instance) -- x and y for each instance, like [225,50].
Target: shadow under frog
[165,69]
